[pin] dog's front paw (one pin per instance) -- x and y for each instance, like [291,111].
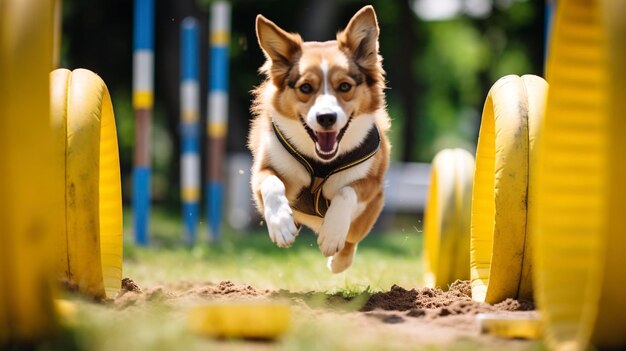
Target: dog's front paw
[277,213]
[280,223]
[332,237]
[331,240]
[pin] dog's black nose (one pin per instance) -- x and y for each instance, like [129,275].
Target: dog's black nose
[327,120]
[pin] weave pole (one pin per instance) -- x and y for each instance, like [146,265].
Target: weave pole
[190,127]
[217,113]
[143,83]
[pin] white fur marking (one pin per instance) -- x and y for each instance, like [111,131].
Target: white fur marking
[326,103]
[324,67]
[337,221]
[278,216]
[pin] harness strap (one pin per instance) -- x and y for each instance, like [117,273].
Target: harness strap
[317,204]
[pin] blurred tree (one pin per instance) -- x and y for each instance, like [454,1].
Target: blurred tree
[401,73]
[461,57]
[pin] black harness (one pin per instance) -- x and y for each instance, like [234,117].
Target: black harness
[311,201]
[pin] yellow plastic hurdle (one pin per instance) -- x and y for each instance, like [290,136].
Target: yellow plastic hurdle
[59,177]
[90,246]
[501,259]
[31,181]
[447,218]
[581,190]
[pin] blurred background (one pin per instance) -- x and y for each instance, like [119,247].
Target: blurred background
[441,57]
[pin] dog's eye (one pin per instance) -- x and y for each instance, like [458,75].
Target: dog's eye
[306,88]
[344,87]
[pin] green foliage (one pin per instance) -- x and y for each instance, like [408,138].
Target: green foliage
[459,62]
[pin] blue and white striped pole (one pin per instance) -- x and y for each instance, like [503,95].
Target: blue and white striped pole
[217,112]
[143,87]
[190,127]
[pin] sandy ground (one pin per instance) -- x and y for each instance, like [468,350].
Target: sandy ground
[401,316]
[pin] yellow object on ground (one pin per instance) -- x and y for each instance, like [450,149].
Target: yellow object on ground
[66,311]
[31,182]
[90,248]
[581,181]
[500,243]
[447,218]
[255,320]
[511,325]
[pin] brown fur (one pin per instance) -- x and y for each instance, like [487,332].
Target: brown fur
[352,58]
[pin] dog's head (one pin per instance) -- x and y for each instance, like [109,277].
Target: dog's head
[325,86]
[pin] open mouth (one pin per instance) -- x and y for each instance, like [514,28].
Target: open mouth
[326,144]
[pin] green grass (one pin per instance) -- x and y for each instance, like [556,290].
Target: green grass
[251,258]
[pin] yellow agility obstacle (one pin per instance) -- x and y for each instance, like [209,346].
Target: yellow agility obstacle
[581,189]
[240,320]
[447,218]
[90,247]
[31,179]
[59,177]
[500,242]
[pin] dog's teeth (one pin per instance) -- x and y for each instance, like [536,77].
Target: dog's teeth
[327,152]
[323,153]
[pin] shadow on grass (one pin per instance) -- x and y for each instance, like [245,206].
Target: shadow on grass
[349,301]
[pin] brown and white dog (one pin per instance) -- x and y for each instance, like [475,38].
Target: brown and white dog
[319,136]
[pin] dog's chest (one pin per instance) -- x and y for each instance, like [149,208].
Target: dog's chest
[297,179]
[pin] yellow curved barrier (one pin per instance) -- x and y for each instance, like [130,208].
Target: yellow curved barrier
[91,248]
[579,217]
[500,245]
[31,181]
[240,320]
[447,218]
[512,326]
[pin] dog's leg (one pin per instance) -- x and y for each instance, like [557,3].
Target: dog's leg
[337,221]
[340,261]
[277,213]
[359,228]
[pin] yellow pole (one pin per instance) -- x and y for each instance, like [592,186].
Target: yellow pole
[31,182]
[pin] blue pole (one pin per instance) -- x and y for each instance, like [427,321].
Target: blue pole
[549,13]
[217,113]
[143,87]
[190,127]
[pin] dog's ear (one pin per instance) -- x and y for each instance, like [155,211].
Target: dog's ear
[360,38]
[279,46]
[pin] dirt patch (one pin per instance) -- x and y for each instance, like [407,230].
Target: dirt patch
[422,316]
[184,293]
[432,303]
[225,288]
[428,303]
[130,285]
[68,285]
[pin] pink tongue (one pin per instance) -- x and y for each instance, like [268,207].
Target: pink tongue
[326,140]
